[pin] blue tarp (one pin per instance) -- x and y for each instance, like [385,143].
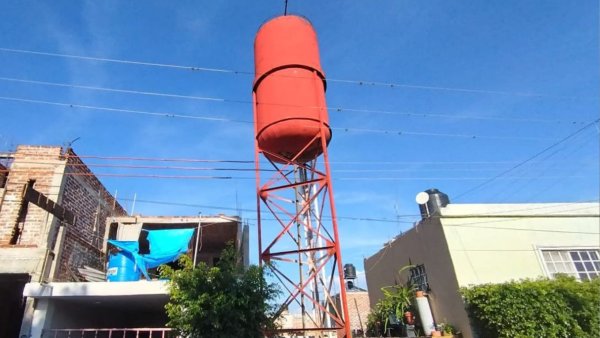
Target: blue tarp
[165,247]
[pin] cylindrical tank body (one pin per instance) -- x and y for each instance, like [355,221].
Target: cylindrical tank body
[349,271]
[289,88]
[122,268]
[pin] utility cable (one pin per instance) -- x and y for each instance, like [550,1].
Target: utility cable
[153,167]
[528,159]
[219,119]
[131,111]
[543,166]
[363,178]
[332,109]
[250,73]
[193,160]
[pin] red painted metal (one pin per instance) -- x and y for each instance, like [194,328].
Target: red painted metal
[302,245]
[289,102]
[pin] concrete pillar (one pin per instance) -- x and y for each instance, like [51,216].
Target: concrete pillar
[39,319]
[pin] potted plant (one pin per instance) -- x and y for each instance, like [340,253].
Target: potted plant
[447,330]
[390,312]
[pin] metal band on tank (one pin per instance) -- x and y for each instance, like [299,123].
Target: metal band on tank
[273,70]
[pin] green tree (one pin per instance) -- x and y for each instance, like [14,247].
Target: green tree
[223,301]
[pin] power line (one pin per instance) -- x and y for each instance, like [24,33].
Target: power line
[140,63]
[154,167]
[529,159]
[191,205]
[543,166]
[180,177]
[136,158]
[130,111]
[309,125]
[151,159]
[158,159]
[499,215]
[363,178]
[162,167]
[250,73]
[450,178]
[334,109]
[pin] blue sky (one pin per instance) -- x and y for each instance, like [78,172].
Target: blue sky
[480,87]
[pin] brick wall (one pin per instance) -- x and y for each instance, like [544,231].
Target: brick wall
[359,308]
[30,162]
[3,174]
[92,204]
[65,179]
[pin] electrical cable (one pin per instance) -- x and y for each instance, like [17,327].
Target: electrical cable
[543,166]
[364,178]
[158,159]
[333,80]
[309,125]
[528,159]
[154,167]
[131,111]
[333,109]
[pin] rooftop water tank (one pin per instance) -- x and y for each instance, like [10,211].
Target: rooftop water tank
[122,268]
[289,88]
[349,271]
[436,201]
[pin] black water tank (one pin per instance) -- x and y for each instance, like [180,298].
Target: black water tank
[349,271]
[437,200]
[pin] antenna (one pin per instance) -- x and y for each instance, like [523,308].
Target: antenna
[285,8]
[70,143]
[422,197]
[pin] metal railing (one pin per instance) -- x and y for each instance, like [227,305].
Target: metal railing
[110,333]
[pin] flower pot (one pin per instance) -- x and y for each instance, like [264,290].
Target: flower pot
[409,318]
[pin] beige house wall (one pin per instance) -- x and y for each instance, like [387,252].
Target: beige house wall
[423,244]
[497,243]
[478,243]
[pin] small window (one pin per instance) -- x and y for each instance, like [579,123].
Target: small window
[582,264]
[418,277]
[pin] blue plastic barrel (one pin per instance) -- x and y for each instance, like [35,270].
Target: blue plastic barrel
[122,268]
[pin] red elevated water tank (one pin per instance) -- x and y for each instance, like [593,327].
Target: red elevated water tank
[289,88]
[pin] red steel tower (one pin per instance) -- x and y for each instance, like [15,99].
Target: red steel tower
[297,225]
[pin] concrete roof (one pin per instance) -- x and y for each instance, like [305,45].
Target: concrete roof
[124,298]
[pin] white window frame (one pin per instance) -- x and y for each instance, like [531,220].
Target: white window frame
[540,255]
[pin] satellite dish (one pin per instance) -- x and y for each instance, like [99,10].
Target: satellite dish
[422,198]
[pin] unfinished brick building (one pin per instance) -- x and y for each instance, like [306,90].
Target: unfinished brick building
[53,213]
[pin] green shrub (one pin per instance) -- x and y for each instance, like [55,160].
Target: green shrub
[562,307]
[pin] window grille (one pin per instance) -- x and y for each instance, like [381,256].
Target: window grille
[418,277]
[583,264]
